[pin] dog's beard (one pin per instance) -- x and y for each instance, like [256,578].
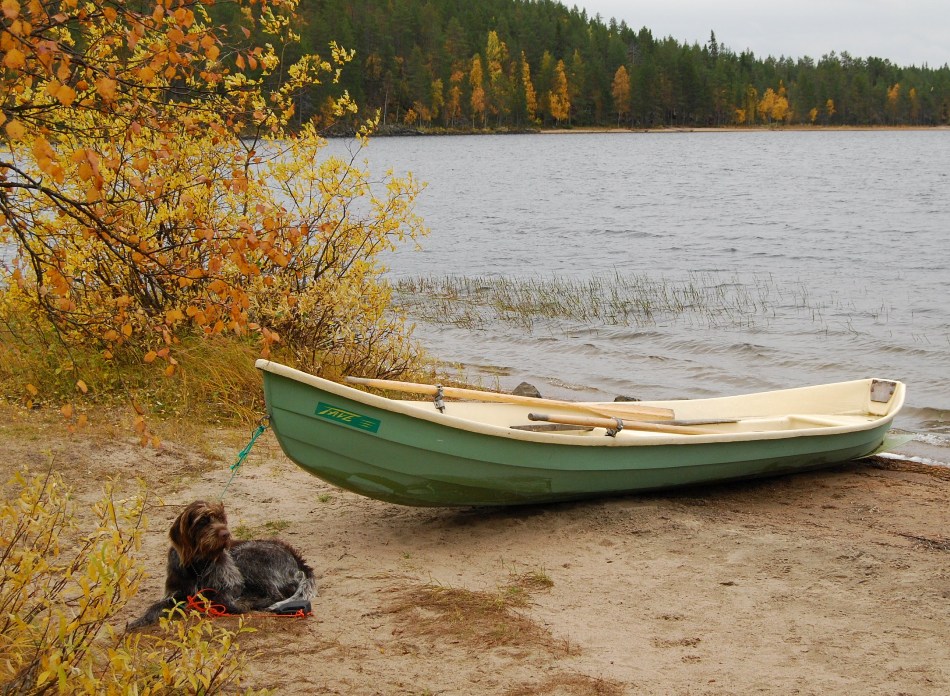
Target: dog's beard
[214,540]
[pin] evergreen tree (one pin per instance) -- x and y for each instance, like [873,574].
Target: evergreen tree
[405,47]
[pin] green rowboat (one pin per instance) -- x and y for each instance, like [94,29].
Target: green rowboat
[516,450]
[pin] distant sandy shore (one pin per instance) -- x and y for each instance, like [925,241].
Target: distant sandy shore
[836,582]
[753,129]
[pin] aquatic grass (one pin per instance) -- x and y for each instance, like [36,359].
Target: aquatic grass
[617,299]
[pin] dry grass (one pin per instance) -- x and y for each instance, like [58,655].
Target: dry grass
[104,447]
[219,385]
[569,684]
[477,619]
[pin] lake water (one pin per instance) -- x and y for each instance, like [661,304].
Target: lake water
[840,238]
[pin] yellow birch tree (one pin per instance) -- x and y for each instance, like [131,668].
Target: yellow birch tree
[830,108]
[620,91]
[477,81]
[531,97]
[496,55]
[893,100]
[774,105]
[560,100]
[453,103]
[914,104]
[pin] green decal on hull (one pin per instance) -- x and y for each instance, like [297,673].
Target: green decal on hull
[341,415]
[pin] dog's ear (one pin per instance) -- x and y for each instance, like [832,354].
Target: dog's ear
[181,531]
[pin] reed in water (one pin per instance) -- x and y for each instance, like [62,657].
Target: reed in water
[614,299]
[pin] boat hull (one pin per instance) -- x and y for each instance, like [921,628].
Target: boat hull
[357,441]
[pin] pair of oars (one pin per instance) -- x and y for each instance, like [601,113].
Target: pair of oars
[633,416]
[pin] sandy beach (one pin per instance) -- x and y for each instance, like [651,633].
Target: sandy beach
[829,582]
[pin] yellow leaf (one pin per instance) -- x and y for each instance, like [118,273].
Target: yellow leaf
[67,411]
[105,88]
[127,330]
[82,421]
[170,370]
[33,390]
[81,386]
[42,149]
[66,95]
[15,130]
[14,59]
[184,17]
[11,8]
[150,356]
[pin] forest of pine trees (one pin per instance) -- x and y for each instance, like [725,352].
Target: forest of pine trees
[519,64]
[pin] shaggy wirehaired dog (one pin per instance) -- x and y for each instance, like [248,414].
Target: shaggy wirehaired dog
[235,576]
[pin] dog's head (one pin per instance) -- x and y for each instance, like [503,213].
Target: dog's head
[200,531]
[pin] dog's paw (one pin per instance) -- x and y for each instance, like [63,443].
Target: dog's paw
[277,606]
[141,622]
[291,606]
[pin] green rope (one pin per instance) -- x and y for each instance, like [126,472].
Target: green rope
[242,455]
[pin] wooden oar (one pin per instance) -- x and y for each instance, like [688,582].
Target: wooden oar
[627,409]
[611,424]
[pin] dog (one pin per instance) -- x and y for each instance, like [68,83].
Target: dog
[235,576]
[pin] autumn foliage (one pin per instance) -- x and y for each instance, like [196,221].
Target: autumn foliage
[63,591]
[154,188]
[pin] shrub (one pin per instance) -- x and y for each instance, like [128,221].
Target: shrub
[62,589]
[157,187]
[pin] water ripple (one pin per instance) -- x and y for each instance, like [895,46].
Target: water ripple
[848,250]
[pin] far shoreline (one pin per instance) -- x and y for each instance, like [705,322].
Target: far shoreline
[390,131]
[739,129]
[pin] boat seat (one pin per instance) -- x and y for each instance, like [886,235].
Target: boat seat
[551,428]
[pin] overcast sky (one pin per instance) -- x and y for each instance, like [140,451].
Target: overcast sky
[907,32]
